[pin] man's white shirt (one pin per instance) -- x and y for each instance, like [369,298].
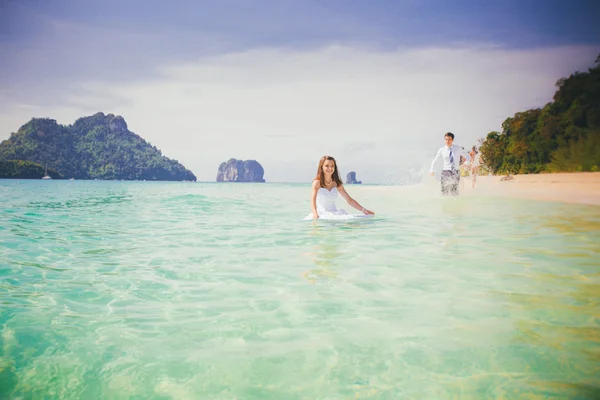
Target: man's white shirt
[444,154]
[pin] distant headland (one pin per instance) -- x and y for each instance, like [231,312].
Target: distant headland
[95,147]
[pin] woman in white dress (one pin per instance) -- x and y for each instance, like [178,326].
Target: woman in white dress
[325,189]
[475,165]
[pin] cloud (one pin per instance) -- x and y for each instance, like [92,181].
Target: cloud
[360,147]
[383,111]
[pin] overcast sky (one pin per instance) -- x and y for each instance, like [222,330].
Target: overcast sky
[375,84]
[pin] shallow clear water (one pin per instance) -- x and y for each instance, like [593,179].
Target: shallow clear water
[136,290]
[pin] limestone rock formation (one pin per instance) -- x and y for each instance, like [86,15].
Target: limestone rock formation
[117,124]
[351,178]
[240,171]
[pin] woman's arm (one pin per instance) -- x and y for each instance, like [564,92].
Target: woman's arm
[313,199]
[353,202]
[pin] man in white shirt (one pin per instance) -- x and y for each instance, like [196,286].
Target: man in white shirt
[450,154]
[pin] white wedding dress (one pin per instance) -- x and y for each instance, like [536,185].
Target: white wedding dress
[326,207]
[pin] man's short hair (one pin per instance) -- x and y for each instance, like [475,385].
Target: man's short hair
[450,134]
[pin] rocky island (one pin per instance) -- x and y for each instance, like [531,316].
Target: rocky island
[95,147]
[351,178]
[240,171]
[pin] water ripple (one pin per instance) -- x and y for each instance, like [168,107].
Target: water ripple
[173,290]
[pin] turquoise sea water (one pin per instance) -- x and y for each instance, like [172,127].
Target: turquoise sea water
[140,290]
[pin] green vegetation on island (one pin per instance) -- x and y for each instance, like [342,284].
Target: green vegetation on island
[17,169]
[95,147]
[563,136]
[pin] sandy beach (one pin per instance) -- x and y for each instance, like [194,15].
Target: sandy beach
[574,188]
[577,187]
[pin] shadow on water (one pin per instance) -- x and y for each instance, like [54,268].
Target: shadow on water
[86,202]
[8,378]
[17,348]
[568,390]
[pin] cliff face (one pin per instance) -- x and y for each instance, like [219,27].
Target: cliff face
[351,178]
[240,171]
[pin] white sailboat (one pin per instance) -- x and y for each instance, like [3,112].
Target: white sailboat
[46,176]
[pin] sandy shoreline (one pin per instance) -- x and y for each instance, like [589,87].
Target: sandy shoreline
[577,187]
[574,188]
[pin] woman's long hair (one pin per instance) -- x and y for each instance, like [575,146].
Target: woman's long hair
[321,176]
